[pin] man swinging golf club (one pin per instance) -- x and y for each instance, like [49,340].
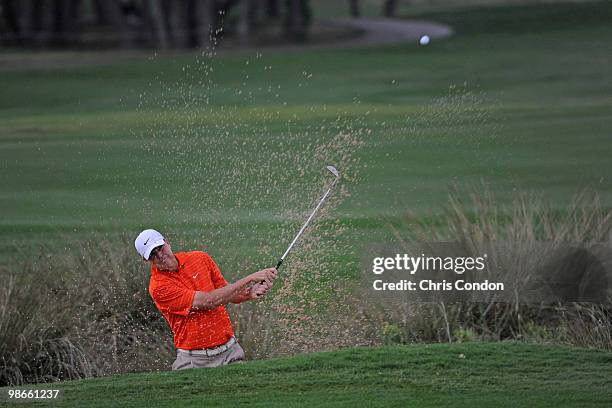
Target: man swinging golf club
[191,293]
[189,290]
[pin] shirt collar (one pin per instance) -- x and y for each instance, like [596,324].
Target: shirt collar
[181,257]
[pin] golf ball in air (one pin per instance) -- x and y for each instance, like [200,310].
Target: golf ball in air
[424,40]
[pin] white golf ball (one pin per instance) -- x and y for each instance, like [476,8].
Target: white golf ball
[424,40]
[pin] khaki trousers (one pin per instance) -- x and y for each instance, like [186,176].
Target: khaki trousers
[233,354]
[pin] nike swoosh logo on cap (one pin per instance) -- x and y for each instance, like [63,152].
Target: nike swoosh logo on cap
[147,241]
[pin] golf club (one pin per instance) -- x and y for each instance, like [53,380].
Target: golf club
[333,170]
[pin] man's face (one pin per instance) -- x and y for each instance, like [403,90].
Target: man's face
[163,258]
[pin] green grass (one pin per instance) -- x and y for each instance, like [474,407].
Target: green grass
[513,19]
[78,145]
[460,375]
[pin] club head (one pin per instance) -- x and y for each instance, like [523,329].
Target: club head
[333,171]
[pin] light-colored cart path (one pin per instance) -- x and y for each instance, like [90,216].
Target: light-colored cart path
[375,31]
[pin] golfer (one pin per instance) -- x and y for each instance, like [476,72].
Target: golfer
[190,292]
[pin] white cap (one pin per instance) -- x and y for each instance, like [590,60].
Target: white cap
[146,241]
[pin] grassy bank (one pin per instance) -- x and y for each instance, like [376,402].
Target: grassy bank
[461,375]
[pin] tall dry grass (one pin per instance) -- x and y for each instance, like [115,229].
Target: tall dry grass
[558,263]
[78,313]
[33,344]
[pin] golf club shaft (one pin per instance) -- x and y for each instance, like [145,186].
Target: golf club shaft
[282,258]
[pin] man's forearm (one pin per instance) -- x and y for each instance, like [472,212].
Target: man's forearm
[242,296]
[221,296]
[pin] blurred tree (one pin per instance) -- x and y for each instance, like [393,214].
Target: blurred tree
[247,20]
[297,20]
[389,8]
[166,23]
[354,8]
[154,23]
[111,13]
[165,8]
[65,22]
[272,9]
[37,12]
[199,22]
[37,22]
[10,14]
[100,8]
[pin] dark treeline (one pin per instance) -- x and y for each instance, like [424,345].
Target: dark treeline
[146,23]
[155,23]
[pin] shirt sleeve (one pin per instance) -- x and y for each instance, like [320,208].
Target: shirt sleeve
[173,298]
[215,274]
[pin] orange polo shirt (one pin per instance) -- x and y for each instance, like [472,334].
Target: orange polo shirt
[173,294]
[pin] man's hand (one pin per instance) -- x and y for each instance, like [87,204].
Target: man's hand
[257,285]
[258,290]
[264,276]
